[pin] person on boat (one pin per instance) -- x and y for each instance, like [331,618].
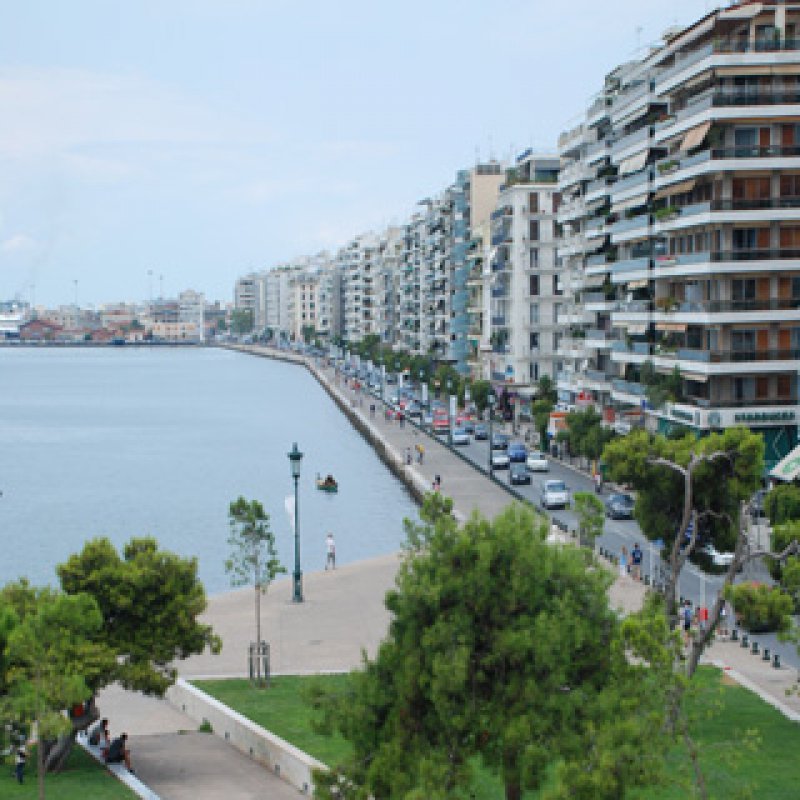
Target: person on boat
[329,481]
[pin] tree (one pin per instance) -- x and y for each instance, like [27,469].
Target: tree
[540,411]
[479,391]
[55,654]
[253,557]
[782,503]
[586,434]
[242,321]
[591,517]
[500,648]
[546,391]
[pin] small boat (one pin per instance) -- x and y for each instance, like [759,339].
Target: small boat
[327,484]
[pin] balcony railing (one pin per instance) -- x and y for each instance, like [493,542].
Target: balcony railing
[722,402]
[718,306]
[768,254]
[737,356]
[642,220]
[628,387]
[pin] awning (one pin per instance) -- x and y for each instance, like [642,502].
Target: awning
[631,202]
[694,138]
[672,327]
[634,163]
[697,377]
[789,468]
[593,281]
[638,284]
[676,188]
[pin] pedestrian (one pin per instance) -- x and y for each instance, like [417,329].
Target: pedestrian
[421,452]
[408,456]
[636,561]
[723,619]
[98,734]
[118,752]
[402,418]
[20,757]
[702,618]
[372,409]
[330,544]
[438,481]
[598,482]
[686,613]
[623,562]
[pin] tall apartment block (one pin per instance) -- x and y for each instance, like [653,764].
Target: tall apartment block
[681,220]
[523,282]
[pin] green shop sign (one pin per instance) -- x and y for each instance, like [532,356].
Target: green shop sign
[764,416]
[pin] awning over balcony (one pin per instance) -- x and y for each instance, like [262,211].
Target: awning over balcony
[694,137]
[672,327]
[638,284]
[676,188]
[631,202]
[634,163]
[697,377]
[633,328]
[789,468]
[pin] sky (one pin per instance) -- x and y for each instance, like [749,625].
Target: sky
[160,145]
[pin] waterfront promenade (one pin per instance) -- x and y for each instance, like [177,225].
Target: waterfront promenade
[343,613]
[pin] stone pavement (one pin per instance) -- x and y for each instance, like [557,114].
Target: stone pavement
[343,613]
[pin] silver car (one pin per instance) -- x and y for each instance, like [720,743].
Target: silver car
[554,495]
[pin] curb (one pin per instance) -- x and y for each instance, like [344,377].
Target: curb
[746,683]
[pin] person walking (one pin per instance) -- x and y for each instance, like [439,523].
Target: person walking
[20,757]
[636,562]
[686,613]
[330,545]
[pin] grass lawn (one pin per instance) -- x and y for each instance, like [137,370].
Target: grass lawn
[768,765]
[82,778]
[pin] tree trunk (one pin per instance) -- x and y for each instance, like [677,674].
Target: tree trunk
[55,752]
[40,764]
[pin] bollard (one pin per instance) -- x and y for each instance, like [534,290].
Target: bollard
[765,657]
[745,640]
[754,648]
[776,661]
[735,635]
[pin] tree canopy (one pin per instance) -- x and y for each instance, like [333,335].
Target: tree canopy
[501,648]
[149,600]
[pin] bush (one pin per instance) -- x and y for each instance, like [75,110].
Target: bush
[783,503]
[760,608]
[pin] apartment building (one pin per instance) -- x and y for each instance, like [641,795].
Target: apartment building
[523,284]
[191,312]
[247,293]
[682,229]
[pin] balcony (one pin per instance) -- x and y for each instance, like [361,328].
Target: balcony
[630,144]
[628,387]
[498,320]
[500,291]
[736,356]
[630,224]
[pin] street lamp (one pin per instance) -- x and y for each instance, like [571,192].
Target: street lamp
[491,400]
[450,419]
[295,457]
[423,391]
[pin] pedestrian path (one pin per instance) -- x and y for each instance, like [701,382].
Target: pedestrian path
[343,614]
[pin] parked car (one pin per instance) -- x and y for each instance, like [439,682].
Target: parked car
[619,506]
[460,436]
[518,473]
[500,459]
[554,495]
[500,441]
[481,433]
[718,559]
[537,462]
[441,424]
[517,452]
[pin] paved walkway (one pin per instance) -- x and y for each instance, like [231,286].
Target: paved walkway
[343,613]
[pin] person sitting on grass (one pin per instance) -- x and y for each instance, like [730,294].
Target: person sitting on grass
[118,752]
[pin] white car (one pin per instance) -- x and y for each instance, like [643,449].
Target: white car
[500,459]
[537,462]
[460,436]
[554,495]
[717,558]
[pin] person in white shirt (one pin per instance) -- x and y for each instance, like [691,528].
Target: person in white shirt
[331,547]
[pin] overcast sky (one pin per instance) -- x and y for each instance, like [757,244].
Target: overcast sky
[202,139]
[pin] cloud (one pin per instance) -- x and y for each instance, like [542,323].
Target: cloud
[19,243]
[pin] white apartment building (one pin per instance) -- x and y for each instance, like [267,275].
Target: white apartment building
[682,228]
[523,284]
[191,311]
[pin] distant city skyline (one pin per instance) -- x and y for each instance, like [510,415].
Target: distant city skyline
[200,140]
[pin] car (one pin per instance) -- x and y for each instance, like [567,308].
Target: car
[619,506]
[460,436]
[517,452]
[717,558]
[500,441]
[466,423]
[518,473]
[481,433]
[414,411]
[441,424]
[537,462]
[554,495]
[500,459]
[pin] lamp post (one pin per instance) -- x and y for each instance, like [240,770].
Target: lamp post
[450,419]
[491,400]
[423,394]
[295,457]
[383,372]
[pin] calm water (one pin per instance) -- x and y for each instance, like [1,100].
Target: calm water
[125,442]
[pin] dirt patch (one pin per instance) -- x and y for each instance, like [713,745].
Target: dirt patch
[726,680]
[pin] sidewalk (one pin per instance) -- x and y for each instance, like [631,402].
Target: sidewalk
[343,613]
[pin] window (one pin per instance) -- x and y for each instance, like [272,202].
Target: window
[534,255]
[790,185]
[743,341]
[533,202]
[744,289]
[534,341]
[534,314]
[533,232]
[534,371]
[744,389]
[533,285]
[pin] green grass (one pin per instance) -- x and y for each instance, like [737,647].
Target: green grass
[721,716]
[82,778]
[282,709]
